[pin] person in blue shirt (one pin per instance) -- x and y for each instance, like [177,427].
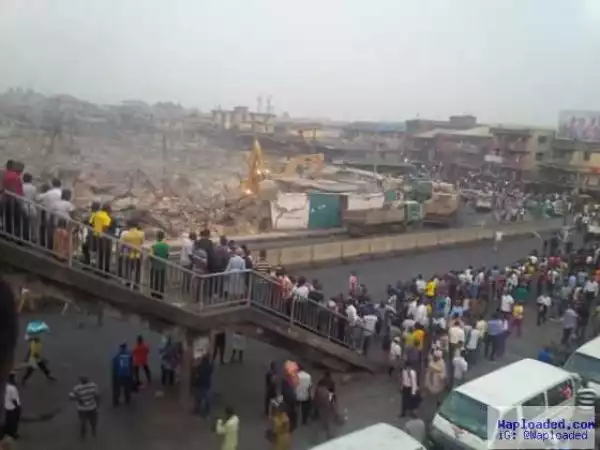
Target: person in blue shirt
[122,375]
[441,305]
[495,330]
[457,310]
[545,355]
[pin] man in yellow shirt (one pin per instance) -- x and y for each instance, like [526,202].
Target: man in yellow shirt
[101,220]
[130,258]
[102,223]
[418,337]
[430,289]
[517,320]
[35,360]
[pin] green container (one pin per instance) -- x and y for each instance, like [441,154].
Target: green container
[325,211]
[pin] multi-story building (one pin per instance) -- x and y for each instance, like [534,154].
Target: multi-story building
[458,150]
[573,164]
[241,118]
[510,152]
[425,138]
[517,151]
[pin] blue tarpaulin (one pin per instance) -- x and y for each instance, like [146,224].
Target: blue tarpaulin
[37,327]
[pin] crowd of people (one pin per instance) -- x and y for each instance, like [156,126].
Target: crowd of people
[430,330]
[45,215]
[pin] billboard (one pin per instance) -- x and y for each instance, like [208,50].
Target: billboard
[580,125]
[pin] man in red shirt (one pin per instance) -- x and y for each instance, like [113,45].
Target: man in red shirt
[12,208]
[140,361]
[11,181]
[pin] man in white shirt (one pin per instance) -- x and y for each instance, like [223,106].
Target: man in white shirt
[395,356]
[460,365]
[506,303]
[12,408]
[410,390]
[186,259]
[303,394]
[456,336]
[369,321]
[590,289]
[421,313]
[351,313]
[472,345]
[187,247]
[412,308]
[62,208]
[543,302]
[469,275]
[30,193]
[420,284]
[301,290]
[497,240]
[49,198]
[408,323]
[439,322]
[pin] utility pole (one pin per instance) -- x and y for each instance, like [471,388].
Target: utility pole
[375,161]
[164,161]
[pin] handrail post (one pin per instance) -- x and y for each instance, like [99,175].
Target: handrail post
[201,290]
[292,309]
[250,288]
[142,269]
[70,231]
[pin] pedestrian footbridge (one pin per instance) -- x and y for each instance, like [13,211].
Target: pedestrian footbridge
[47,248]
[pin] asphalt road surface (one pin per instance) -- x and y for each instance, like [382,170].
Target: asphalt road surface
[157,421]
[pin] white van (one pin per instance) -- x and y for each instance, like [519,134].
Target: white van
[376,437]
[461,421]
[585,362]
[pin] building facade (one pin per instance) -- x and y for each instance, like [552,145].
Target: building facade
[463,146]
[517,151]
[572,164]
[241,118]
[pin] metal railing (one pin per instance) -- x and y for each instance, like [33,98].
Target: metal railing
[77,246]
[268,295]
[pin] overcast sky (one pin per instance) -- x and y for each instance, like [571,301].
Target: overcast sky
[510,61]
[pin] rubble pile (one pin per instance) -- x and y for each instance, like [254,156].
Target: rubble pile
[173,186]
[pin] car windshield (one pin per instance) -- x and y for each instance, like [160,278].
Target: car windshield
[466,413]
[585,366]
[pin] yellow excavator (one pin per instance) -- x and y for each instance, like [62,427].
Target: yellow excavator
[297,166]
[256,170]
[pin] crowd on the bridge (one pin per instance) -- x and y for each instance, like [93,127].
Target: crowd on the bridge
[46,217]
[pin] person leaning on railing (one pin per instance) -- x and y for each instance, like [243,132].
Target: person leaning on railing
[158,269]
[89,244]
[64,232]
[130,264]
[103,223]
[11,206]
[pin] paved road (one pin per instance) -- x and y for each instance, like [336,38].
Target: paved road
[158,422]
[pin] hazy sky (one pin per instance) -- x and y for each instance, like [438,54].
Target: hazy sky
[503,60]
